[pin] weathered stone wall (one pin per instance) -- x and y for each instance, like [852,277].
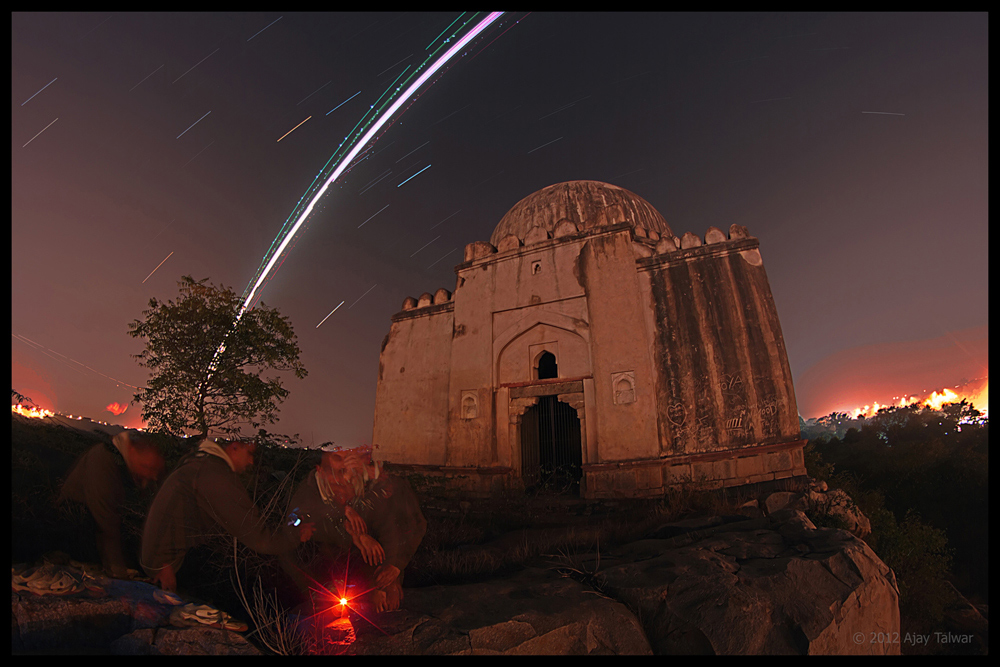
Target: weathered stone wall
[411,398]
[723,380]
[471,442]
[620,350]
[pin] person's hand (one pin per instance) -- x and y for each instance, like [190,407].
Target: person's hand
[306,531]
[353,522]
[371,551]
[380,600]
[166,579]
[385,575]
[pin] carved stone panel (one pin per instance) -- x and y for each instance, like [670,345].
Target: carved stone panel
[623,387]
[470,404]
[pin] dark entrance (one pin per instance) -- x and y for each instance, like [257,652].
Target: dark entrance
[550,447]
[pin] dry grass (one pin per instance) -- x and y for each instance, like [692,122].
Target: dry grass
[273,627]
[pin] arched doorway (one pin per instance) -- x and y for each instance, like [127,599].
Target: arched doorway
[551,455]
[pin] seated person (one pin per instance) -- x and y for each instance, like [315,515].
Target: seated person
[98,482]
[202,496]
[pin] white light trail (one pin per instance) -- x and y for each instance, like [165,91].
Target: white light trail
[343,103]
[376,213]
[376,182]
[292,130]
[146,77]
[331,313]
[448,218]
[362,296]
[196,64]
[157,266]
[391,66]
[192,125]
[403,99]
[39,90]
[315,91]
[346,161]
[199,153]
[415,175]
[542,146]
[414,150]
[427,244]
[42,130]
[266,27]
[442,257]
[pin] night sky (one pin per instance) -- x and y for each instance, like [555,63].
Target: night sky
[854,146]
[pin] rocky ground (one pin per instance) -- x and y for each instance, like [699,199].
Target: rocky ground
[767,581]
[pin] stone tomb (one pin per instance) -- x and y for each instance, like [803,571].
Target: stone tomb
[588,348]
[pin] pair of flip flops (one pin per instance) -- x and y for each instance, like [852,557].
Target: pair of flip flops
[48,579]
[202,614]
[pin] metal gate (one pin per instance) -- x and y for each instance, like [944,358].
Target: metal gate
[550,446]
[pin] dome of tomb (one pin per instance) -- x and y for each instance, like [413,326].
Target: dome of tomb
[588,204]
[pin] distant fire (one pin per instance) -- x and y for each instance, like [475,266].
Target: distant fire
[976,392]
[116,408]
[35,413]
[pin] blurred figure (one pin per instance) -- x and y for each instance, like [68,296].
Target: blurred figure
[202,496]
[391,511]
[354,504]
[97,481]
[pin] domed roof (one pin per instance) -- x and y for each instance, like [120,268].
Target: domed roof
[588,204]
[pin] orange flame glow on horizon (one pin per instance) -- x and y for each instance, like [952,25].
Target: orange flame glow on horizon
[972,392]
[34,413]
[116,408]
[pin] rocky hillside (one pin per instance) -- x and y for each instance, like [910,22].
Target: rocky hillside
[772,584]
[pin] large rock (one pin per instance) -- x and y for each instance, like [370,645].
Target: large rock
[747,588]
[182,641]
[126,619]
[534,612]
[818,500]
[43,623]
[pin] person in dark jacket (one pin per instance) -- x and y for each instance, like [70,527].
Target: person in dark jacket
[98,482]
[391,512]
[323,498]
[354,504]
[202,497]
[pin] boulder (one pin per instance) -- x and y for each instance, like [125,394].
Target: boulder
[534,612]
[750,509]
[40,623]
[123,617]
[837,503]
[788,588]
[780,500]
[818,500]
[182,641]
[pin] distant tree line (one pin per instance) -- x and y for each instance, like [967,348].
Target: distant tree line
[922,478]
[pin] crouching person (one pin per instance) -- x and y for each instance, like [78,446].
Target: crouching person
[201,496]
[355,504]
[391,512]
[323,498]
[98,482]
